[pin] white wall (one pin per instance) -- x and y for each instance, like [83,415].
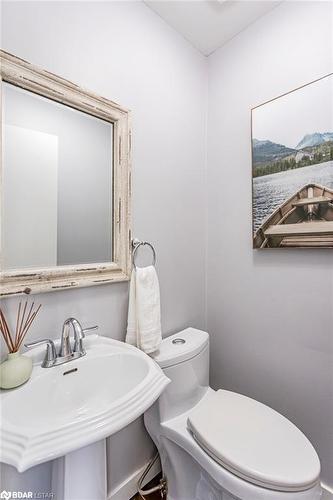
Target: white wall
[125,52]
[270,312]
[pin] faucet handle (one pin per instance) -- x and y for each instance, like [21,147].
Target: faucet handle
[80,334]
[89,329]
[50,354]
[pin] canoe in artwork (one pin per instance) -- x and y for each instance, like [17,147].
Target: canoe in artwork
[304,220]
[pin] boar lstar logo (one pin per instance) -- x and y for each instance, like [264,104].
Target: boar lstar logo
[5,494]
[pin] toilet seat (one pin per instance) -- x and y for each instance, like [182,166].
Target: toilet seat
[254,442]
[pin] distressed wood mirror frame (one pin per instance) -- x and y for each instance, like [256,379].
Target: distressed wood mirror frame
[25,281]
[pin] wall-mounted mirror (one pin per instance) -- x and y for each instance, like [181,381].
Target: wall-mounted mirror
[65,193]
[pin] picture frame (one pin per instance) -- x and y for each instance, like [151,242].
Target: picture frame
[292,168]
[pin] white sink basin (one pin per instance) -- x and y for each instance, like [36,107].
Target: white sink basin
[63,408]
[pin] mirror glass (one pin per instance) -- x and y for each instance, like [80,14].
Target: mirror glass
[57,183]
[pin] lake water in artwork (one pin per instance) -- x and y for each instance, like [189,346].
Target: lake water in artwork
[270,191]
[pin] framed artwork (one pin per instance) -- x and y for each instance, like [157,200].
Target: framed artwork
[292,168]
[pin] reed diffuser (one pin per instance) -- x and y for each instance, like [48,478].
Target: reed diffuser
[17,368]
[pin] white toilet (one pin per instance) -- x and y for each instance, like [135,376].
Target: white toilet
[219,445]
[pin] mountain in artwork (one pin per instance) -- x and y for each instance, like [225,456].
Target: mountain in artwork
[314,139]
[268,151]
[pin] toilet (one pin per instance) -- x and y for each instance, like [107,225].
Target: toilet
[220,445]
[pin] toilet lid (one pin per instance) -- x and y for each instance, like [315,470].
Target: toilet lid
[254,442]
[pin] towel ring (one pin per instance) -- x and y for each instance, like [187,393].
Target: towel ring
[136,244]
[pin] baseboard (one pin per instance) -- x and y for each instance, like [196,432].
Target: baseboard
[328,492]
[129,487]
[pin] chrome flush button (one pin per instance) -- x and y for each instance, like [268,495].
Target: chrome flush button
[178,341]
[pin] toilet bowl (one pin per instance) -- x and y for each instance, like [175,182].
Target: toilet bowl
[220,445]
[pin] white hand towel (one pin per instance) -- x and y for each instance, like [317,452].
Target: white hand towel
[144,310]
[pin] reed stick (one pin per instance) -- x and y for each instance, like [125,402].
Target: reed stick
[5,331]
[24,321]
[17,321]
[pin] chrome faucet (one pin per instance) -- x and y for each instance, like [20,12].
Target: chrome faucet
[65,345]
[66,352]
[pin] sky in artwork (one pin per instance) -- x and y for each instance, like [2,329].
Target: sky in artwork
[288,119]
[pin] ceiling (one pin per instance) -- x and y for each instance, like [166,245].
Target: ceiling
[209,24]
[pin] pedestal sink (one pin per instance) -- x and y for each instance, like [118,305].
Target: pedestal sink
[66,408]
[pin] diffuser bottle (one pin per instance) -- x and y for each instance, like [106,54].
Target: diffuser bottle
[15,371]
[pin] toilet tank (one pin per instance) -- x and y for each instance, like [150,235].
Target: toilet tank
[184,358]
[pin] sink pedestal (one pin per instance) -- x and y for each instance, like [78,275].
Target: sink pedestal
[81,474]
